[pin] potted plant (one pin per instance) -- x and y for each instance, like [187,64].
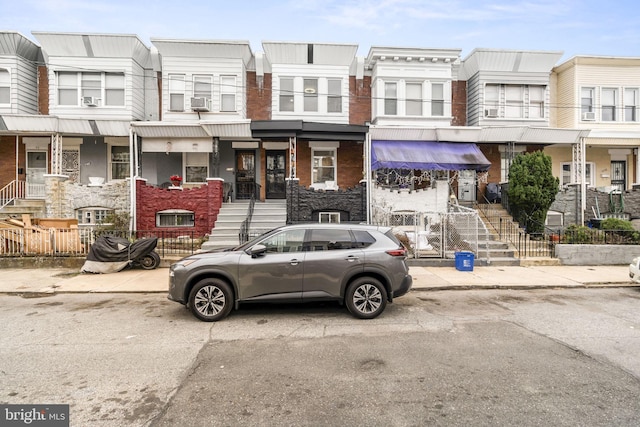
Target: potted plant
[176,180]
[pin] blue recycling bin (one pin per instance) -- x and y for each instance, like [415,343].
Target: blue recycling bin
[464,261]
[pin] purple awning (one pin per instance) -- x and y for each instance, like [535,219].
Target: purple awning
[427,155]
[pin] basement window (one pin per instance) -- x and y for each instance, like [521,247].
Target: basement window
[175,218]
[92,215]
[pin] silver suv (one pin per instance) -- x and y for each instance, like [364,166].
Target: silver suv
[362,266]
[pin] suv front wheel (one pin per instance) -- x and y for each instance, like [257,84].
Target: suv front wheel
[366,298]
[211,300]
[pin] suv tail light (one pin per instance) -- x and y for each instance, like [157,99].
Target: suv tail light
[397,252]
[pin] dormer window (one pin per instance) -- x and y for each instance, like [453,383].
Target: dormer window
[90,89]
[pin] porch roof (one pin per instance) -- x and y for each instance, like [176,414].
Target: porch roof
[15,124]
[427,155]
[280,129]
[239,130]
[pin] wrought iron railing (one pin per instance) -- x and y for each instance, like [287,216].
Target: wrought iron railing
[243,235]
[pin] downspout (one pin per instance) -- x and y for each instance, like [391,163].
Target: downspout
[133,173]
[18,159]
[583,180]
[367,169]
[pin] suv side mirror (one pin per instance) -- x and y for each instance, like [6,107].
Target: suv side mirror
[257,250]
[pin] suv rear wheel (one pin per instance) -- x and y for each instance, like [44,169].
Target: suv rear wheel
[211,300]
[366,298]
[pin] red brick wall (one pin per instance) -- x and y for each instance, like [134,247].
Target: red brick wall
[359,100]
[8,156]
[258,99]
[350,164]
[459,103]
[204,202]
[43,90]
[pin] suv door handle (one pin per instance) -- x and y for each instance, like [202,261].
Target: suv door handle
[352,258]
[294,261]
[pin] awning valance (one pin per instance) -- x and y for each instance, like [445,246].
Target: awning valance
[427,155]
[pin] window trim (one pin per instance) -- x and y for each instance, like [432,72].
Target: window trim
[410,101]
[390,101]
[199,164]
[176,213]
[111,162]
[633,106]
[336,97]
[80,215]
[226,91]
[176,78]
[591,178]
[334,150]
[310,94]
[8,85]
[288,98]
[438,101]
[612,107]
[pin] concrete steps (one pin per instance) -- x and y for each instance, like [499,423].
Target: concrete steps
[34,207]
[226,232]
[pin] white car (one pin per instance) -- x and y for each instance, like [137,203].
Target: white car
[634,270]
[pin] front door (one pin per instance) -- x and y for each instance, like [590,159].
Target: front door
[618,175]
[275,174]
[36,170]
[245,175]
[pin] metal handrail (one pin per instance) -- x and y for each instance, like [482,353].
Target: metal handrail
[244,227]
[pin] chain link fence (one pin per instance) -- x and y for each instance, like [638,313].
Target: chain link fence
[436,234]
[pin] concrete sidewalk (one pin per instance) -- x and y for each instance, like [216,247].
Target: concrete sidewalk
[65,280]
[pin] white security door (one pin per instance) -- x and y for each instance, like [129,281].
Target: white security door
[36,169]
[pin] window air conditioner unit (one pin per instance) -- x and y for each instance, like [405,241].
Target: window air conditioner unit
[90,101]
[590,115]
[200,103]
[491,112]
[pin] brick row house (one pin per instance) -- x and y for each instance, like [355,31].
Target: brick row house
[98,123]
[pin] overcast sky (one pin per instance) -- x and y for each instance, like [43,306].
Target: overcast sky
[576,27]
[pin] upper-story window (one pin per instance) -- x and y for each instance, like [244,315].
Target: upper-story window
[5,87]
[631,105]
[334,96]
[536,102]
[202,86]
[176,92]
[390,98]
[114,88]
[286,94]
[227,93]
[586,103]
[609,101]
[310,94]
[413,102]
[514,101]
[90,89]
[437,99]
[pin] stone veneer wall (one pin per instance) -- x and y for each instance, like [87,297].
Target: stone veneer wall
[568,202]
[63,197]
[303,202]
[204,201]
